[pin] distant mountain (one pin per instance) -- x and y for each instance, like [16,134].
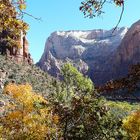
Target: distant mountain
[100,54]
[89,51]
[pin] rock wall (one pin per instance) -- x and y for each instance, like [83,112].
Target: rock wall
[20,54]
[127,54]
[101,55]
[89,51]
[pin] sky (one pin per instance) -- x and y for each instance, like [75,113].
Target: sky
[63,15]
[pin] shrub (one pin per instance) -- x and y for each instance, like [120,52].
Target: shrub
[29,115]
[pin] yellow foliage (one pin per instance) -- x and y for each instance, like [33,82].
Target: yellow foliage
[55,119]
[132,125]
[22,6]
[31,117]
[11,21]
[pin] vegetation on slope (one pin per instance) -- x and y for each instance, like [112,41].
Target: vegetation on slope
[25,73]
[73,109]
[126,88]
[70,109]
[29,117]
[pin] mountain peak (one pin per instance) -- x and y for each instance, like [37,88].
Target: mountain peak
[87,50]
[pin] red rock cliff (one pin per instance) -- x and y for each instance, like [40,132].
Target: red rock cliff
[20,54]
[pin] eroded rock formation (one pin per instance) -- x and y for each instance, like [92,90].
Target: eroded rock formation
[20,54]
[87,50]
[101,55]
[127,54]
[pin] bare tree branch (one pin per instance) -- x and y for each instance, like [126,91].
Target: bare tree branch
[119,18]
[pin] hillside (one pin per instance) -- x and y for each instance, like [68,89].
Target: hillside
[86,85]
[123,89]
[24,73]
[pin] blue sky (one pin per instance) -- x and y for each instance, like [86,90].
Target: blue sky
[58,15]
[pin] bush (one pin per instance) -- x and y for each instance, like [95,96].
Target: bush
[27,116]
[132,125]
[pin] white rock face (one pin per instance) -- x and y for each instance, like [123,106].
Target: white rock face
[87,50]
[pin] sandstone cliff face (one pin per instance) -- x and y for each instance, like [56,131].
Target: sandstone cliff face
[127,54]
[20,54]
[98,53]
[129,50]
[89,51]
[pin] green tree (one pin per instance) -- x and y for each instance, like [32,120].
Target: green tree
[75,82]
[83,115]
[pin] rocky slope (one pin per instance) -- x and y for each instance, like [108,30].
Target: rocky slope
[21,73]
[87,50]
